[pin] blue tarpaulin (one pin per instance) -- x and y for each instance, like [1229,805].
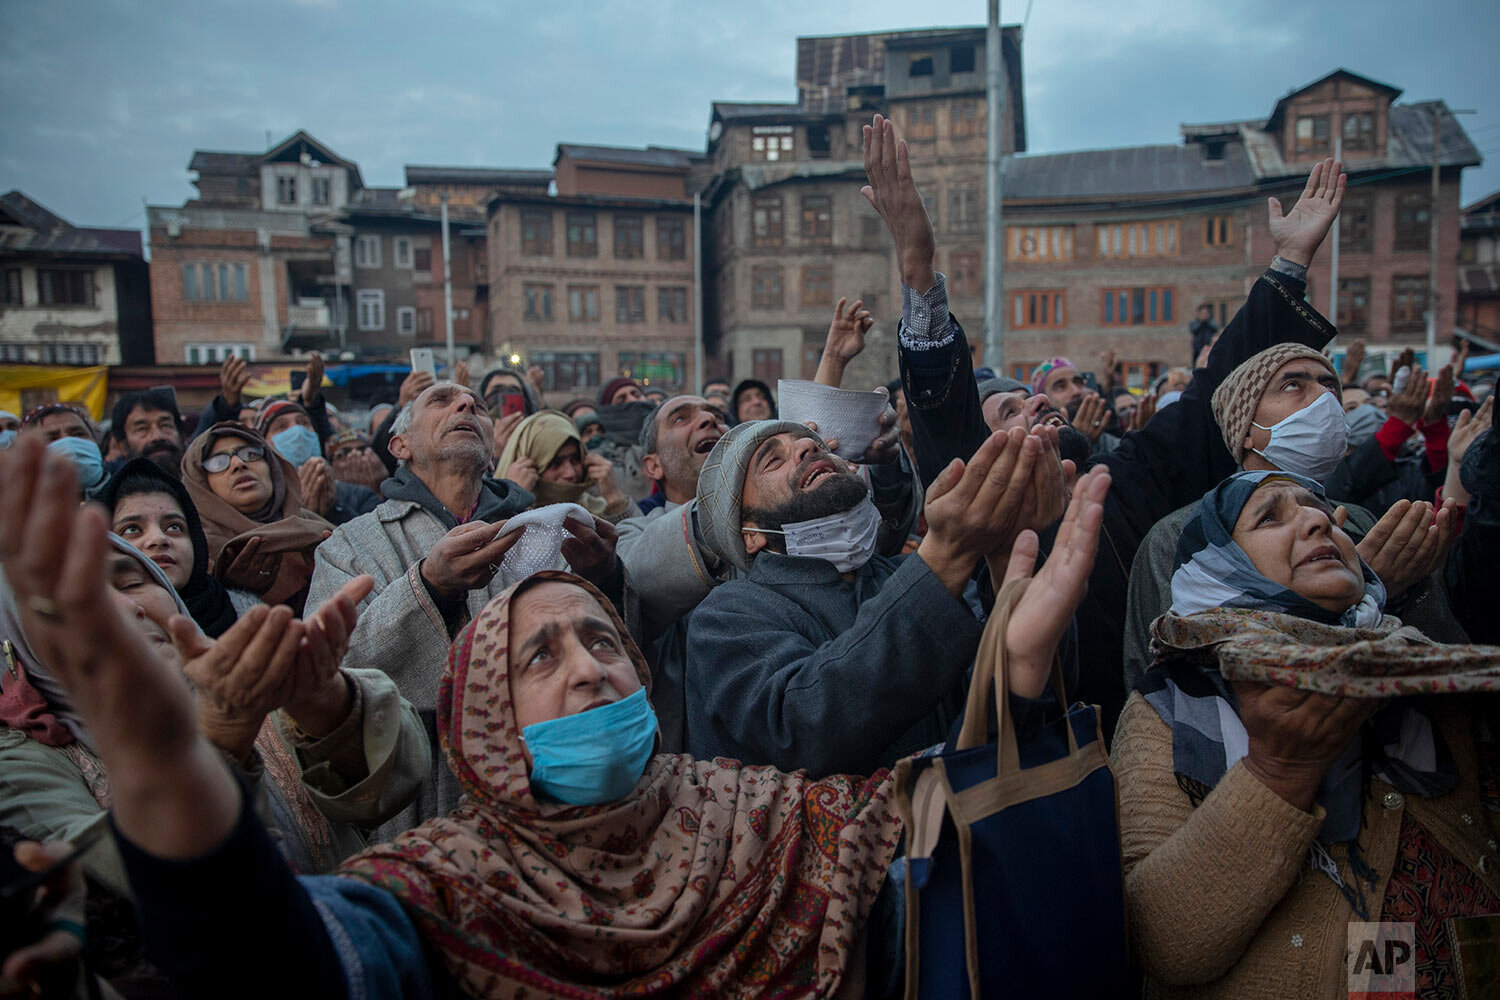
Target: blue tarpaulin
[341,375]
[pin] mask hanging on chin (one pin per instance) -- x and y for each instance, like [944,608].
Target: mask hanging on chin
[845,539]
[1310,442]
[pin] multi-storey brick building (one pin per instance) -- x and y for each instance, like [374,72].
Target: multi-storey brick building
[249,267]
[71,295]
[1117,247]
[1479,273]
[791,233]
[597,278]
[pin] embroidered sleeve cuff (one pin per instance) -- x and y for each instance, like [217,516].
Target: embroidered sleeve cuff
[1281,265]
[925,322]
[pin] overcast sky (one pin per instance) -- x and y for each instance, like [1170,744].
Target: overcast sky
[103,102]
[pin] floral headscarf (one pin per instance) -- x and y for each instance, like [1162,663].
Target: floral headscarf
[710,878]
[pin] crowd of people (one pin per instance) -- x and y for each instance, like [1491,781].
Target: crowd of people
[471,696]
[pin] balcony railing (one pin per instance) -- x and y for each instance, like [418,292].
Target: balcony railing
[309,314]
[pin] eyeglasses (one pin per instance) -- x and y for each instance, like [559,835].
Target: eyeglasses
[245,453]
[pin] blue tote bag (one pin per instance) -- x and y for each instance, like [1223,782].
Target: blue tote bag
[1015,887]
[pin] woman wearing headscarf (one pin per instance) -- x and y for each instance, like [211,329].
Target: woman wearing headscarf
[546,456]
[260,538]
[1277,777]
[346,754]
[579,863]
[153,511]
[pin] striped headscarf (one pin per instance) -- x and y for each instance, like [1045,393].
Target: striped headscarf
[1039,373]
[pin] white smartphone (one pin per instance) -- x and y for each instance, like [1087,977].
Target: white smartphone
[422,361]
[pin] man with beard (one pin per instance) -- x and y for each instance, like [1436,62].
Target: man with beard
[823,654]
[148,425]
[672,570]
[1176,458]
[434,550]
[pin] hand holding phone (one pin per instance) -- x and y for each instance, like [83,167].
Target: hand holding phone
[423,361]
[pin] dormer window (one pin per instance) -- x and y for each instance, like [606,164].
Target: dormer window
[320,191]
[920,64]
[961,59]
[1312,134]
[286,189]
[1359,131]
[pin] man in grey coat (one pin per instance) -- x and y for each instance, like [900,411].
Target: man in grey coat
[435,550]
[823,654]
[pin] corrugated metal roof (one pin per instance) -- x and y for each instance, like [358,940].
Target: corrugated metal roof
[651,156]
[47,232]
[476,175]
[1132,171]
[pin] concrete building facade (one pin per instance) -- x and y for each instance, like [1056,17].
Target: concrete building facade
[70,295]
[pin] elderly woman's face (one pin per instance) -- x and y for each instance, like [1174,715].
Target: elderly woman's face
[565,654]
[1289,535]
[147,604]
[244,485]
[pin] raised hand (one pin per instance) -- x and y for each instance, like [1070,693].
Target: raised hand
[316,479]
[1298,234]
[466,558]
[1406,359]
[461,373]
[360,466]
[894,195]
[1144,410]
[1408,405]
[1108,361]
[1353,359]
[1038,621]
[320,696]
[504,428]
[1470,425]
[412,386]
[537,376]
[1441,395]
[312,386]
[172,795]
[1089,420]
[590,550]
[974,508]
[234,374]
[242,676]
[846,338]
[1408,543]
[1460,358]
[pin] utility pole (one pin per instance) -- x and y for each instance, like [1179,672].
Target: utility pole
[447,285]
[994,311]
[1333,259]
[1432,239]
[697,296]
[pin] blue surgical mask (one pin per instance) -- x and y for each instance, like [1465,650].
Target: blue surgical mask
[7,438]
[595,756]
[297,444]
[85,455]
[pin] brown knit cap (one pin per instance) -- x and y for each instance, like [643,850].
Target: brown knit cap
[1235,400]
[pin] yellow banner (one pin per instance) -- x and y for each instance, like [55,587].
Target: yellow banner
[273,380]
[23,387]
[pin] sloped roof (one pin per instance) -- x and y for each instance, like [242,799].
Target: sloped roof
[651,156]
[742,110]
[1489,204]
[217,162]
[1128,172]
[207,161]
[47,232]
[416,174]
[1275,120]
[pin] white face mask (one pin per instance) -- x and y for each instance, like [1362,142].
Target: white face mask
[1310,442]
[847,539]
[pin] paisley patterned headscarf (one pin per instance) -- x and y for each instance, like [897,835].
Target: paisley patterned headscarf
[709,879]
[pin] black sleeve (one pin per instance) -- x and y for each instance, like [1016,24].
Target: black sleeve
[318,411]
[942,402]
[1180,455]
[216,412]
[203,917]
[1362,473]
[1473,584]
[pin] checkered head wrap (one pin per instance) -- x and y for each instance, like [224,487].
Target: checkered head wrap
[1039,373]
[1235,400]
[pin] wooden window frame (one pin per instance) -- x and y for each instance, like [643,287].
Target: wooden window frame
[963,118]
[1413,225]
[1356,233]
[49,280]
[966,272]
[1409,318]
[630,304]
[1312,144]
[965,209]
[630,236]
[1155,304]
[767,228]
[587,299]
[767,364]
[536,233]
[581,222]
[1152,238]
[1038,309]
[538,302]
[817,219]
[767,287]
[671,238]
[668,300]
[1218,231]
[817,285]
[1039,244]
[1352,317]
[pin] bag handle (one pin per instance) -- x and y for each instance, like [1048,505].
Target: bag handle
[992,673]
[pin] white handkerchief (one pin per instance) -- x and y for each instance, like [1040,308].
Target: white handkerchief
[541,546]
[849,416]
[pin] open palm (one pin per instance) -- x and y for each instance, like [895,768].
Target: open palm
[1298,233]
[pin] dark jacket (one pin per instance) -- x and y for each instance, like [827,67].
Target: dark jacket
[797,667]
[1172,462]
